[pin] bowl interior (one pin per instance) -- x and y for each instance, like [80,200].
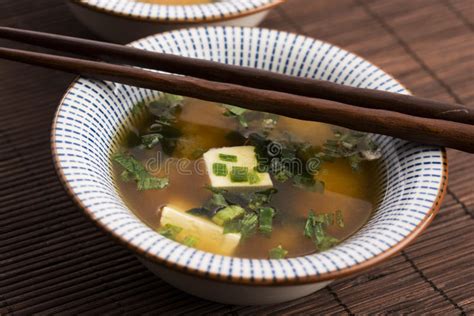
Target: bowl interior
[412,176]
[180,13]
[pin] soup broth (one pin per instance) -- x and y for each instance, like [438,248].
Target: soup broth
[307,208]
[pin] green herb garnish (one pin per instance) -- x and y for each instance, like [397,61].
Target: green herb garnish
[261,198]
[230,158]
[315,229]
[151,140]
[309,225]
[354,146]
[277,253]
[248,225]
[339,219]
[216,202]
[253,177]
[287,162]
[215,190]
[165,109]
[233,226]
[219,169]
[265,219]
[239,174]
[213,205]
[170,231]
[228,214]
[136,171]
[165,102]
[126,176]
[138,107]
[283,175]
[199,211]
[190,241]
[309,183]
[197,153]
[237,113]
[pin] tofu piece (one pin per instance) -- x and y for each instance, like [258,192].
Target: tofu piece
[246,158]
[210,236]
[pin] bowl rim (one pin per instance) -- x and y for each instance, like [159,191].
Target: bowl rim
[235,14]
[324,276]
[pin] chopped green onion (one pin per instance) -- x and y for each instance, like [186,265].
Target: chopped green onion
[234,109]
[190,241]
[315,229]
[216,202]
[253,177]
[138,107]
[237,113]
[277,253]
[319,232]
[308,183]
[258,199]
[151,140]
[328,219]
[309,225]
[327,242]
[339,219]
[170,231]
[126,176]
[172,99]
[282,175]
[228,214]
[353,146]
[233,226]
[230,158]
[239,174]
[265,219]
[136,171]
[219,169]
[248,225]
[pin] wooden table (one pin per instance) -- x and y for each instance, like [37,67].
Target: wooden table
[53,260]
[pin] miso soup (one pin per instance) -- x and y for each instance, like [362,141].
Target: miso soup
[242,183]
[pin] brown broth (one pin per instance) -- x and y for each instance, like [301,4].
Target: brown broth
[203,126]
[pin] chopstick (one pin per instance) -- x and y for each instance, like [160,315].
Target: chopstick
[430,131]
[255,78]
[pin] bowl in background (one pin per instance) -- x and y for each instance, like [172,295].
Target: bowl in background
[125,20]
[412,177]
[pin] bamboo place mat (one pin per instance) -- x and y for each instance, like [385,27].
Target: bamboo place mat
[53,260]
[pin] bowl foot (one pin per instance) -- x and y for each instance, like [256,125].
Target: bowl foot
[228,293]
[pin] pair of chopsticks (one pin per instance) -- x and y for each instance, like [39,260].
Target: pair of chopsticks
[403,116]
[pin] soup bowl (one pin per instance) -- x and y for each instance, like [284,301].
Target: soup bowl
[126,20]
[412,177]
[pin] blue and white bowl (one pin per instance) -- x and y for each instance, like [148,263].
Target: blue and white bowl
[126,20]
[92,113]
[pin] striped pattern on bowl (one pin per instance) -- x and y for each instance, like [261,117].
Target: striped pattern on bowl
[219,10]
[92,113]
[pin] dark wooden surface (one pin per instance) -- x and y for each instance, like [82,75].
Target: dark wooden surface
[52,260]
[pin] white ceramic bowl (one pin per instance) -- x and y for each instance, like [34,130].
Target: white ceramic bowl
[413,177]
[126,20]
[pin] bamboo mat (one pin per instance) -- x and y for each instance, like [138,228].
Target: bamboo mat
[53,260]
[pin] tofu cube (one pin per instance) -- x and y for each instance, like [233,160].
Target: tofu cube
[232,168]
[210,237]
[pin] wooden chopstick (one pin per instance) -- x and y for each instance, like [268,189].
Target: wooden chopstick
[260,79]
[430,131]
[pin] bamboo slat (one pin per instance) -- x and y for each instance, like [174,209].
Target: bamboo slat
[53,260]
